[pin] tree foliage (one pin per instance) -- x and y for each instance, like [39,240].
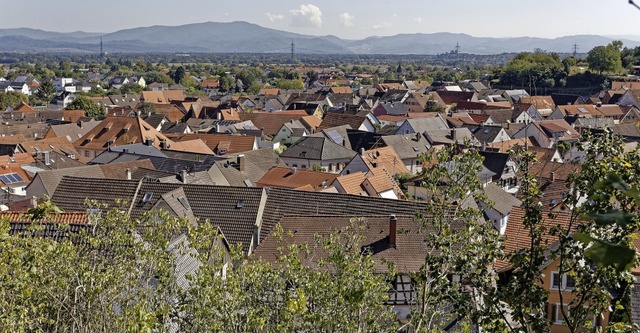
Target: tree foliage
[90,108]
[534,70]
[46,91]
[11,99]
[606,58]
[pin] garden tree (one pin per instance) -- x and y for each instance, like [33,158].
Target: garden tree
[157,77]
[110,276]
[92,109]
[11,99]
[131,88]
[289,84]
[147,108]
[178,75]
[567,63]
[250,75]
[605,58]
[342,294]
[46,91]
[433,106]
[225,83]
[533,70]
[465,247]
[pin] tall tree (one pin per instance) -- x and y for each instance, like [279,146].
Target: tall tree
[46,91]
[605,58]
[179,74]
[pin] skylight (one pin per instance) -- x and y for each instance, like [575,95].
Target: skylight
[11,178]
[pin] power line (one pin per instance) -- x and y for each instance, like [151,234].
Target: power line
[633,4]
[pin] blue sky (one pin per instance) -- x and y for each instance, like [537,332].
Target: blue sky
[343,18]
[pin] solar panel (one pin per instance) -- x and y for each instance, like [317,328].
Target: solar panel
[11,178]
[335,137]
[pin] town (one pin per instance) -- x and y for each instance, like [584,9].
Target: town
[402,196]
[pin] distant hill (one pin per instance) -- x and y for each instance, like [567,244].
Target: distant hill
[234,37]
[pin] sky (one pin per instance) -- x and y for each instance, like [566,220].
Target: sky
[349,19]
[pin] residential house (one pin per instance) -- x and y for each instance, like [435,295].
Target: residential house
[317,151]
[409,147]
[576,111]
[566,99]
[364,122]
[612,111]
[498,206]
[488,134]
[13,177]
[422,125]
[115,131]
[390,108]
[271,122]
[548,133]
[504,168]
[221,144]
[368,160]
[454,136]
[543,104]
[394,240]
[291,132]
[294,178]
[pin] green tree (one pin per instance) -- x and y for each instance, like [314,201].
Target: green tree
[605,58]
[178,75]
[289,84]
[131,88]
[533,70]
[11,99]
[46,91]
[91,109]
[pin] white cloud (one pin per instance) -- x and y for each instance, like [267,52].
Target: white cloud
[274,17]
[418,20]
[382,25]
[307,15]
[346,20]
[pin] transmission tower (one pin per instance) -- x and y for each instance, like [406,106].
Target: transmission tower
[101,49]
[293,50]
[575,50]
[457,47]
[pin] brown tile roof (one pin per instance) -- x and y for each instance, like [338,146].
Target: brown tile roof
[555,170]
[14,165]
[505,146]
[57,144]
[516,236]
[558,125]
[209,83]
[12,139]
[341,90]
[615,85]
[385,158]
[162,97]
[352,183]
[120,131]
[333,119]
[285,177]
[196,146]
[170,111]
[580,110]
[232,143]
[63,217]
[540,102]
[269,92]
[450,97]
[311,122]
[271,122]
[375,233]
[611,110]
[23,107]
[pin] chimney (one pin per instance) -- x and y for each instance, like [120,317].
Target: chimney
[33,201]
[241,162]
[453,134]
[361,151]
[294,170]
[127,174]
[219,115]
[148,142]
[183,176]
[553,176]
[47,158]
[393,224]
[163,144]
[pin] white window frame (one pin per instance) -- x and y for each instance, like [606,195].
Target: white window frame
[563,282]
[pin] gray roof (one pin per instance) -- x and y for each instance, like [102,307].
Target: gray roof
[428,124]
[236,210]
[487,133]
[500,199]
[316,148]
[407,145]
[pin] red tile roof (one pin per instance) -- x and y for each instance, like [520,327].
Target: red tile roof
[284,177]
[63,217]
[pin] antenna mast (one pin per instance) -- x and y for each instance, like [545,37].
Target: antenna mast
[293,49]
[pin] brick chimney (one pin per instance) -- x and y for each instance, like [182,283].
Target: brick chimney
[127,174]
[393,225]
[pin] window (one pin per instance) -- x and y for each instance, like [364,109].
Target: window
[418,163]
[564,282]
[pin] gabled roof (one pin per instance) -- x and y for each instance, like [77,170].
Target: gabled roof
[115,131]
[451,97]
[375,234]
[352,183]
[427,124]
[286,177]
[384,158]
[271,122]
[540,102]
[488,133]
[62,218]
[333,119]
[516,235]
[566,99]
[494,161]
[407,145]
[231,143]
[236,210]
[610,110]
[502,201]
[319,149]
[579,110]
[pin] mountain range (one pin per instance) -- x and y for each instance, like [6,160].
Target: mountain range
[243,37]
